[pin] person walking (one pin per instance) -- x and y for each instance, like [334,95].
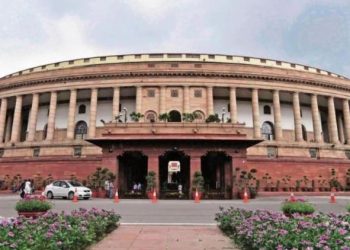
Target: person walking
[27,188]
[111,188]
[106,186]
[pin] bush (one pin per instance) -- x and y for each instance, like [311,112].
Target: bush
[348,208]
[33,204]
[300,207]
[58,231]
[254,230]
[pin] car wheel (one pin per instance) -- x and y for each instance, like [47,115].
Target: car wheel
[49,195]
[70,195]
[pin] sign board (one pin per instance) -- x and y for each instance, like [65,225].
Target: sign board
[174,166]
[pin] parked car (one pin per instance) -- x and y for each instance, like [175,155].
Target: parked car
[66,189]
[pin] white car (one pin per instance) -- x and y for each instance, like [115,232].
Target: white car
[66,189]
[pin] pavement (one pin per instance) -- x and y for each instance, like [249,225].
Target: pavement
[175,212]
[154,237]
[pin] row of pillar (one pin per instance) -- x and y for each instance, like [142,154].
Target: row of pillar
[333,129]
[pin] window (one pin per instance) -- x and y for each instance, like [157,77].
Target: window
[82,109]
[306,67]
[57,64]
[56,183]
[292,65]
[43,67]
[86,60]
[151,116]
[174,93]
[278,63]
[246,59]
[103,58]
[151,93]
[313,153]
[267,110]
[71,62]
[229,57]
[120,57]
[80,130]
[77,151]
[36,152]
[137,56]
[156,56]
[192,56]
[211,56]
[263,60]
[197,93]
[267,131]
[2,151]
[318,70]
[31,70]
[228,107]
[271,152]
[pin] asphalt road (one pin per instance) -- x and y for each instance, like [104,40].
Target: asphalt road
[173,211]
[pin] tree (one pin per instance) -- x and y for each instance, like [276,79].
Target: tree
[164,117]
[213,118]
[136,116]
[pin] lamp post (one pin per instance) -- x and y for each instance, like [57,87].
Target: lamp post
[223,115]
[125,114]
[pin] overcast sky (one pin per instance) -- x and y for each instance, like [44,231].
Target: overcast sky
[313,32]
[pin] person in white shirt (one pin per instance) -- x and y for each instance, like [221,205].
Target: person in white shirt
[27,188]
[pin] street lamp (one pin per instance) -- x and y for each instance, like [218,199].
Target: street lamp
[223,115]
[125,114]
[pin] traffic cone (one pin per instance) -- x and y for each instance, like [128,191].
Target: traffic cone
[292,198]
[154,196]
[75,197]
[245,196]
[116,197]
[332,200]
[196,197]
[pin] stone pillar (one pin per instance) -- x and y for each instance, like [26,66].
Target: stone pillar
[341,129]
[16,124]
[116,102]
[138,99]
[277,116]
[52,116]
[332,121]
[71,114]
[316,119]
[195,166]
[233,105]
[153,165]
[186,99]
[3,111]
[256,114]
[9,122]
[162,98]
[297,118]
[93,109]
[210,101]
[346,115]
[33,117]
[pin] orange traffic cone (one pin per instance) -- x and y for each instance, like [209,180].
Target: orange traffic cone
[332,199]
[116,197]
[75,197]
[292,198]
[196,197]
[245,196]
[154,196]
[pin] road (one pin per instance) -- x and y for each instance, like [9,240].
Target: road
[173,211]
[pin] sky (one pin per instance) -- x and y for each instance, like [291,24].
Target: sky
[311,32]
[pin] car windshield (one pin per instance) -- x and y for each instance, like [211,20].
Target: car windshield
[75,184]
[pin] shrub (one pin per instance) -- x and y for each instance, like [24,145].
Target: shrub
[300,207]
[348,208]
[75,231]
[254,230]
[33,204]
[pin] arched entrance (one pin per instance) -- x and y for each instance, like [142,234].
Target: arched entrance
[174,170]
[174,116]
[217,173]
[132,171]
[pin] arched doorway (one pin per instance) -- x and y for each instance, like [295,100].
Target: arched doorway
[132,170]
[170,179]
[267,131]
[199,116]
[216,169]
[174,116]
[80,130]
[151,116]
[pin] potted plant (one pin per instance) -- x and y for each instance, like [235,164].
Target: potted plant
[48,180]
[299,206]
[213,118]
[334,182]
[136,116]
[164,117]
[197,184]
[267,179]
[247,182]
[16,182]
[189,117]
[38,182]
[150,183]
[347,180]
[33,206]
[286,183]
[97,180]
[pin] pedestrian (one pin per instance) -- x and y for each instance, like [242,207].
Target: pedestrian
[27,188]
[107,188]
[111,187]
[21,189]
